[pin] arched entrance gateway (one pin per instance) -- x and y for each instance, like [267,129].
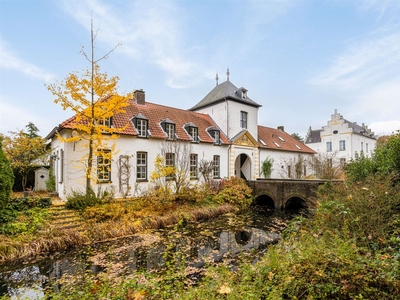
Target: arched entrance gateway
[243,167]
[244,156]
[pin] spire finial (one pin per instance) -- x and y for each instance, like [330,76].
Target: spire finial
[216,77]
[227,74]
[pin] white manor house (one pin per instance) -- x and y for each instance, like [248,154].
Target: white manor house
[222,128]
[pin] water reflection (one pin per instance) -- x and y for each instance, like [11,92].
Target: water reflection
[198,244]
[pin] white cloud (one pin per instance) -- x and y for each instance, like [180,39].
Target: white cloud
[9,60]
[383,7]
[385,128]
[149,30]
[364,63]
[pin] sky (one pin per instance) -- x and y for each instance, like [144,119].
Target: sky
[299,59]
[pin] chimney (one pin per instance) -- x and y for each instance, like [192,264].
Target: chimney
[140,97]
[281,128]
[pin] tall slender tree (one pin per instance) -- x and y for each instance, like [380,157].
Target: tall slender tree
[94,99]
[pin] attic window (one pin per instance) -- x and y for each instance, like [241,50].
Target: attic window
[215,134]
[108,122]
[281,138]
[242,92]
[193,132]
[262,142]
[141,124]
[169,128]
[276,144]
[297,146]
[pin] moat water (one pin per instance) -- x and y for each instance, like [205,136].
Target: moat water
[223,238]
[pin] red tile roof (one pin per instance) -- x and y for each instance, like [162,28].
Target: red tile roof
[276,139]
[155,113]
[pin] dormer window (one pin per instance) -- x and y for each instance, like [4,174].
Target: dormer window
[193,132]
[215,134]
[242,92]
[243,119]
[106,122]
[169,128]
[141,124]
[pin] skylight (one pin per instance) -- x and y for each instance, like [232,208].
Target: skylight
[276,144]
[297,146]
[262,142]
[281,138]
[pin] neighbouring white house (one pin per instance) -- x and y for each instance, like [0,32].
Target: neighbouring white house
[341,139]
[222,128]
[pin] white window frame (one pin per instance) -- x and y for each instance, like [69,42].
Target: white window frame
[216,169]
[243,119]
[141,166]
[342,145]
[328,146]
[104,166]
[141,127]
[170,131]
[193,166]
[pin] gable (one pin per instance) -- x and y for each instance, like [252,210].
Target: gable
[244,138]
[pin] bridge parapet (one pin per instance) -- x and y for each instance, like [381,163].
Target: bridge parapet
[286,193]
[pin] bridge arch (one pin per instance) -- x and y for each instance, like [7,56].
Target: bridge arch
[295,202]
[264,200]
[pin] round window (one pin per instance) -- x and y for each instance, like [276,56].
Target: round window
[335,132]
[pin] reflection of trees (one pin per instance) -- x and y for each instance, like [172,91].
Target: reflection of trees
[194,246]
[25,283]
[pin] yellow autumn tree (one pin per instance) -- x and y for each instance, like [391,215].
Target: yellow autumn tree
[93,97]
[25,152]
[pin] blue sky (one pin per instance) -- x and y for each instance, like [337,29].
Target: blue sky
[299,59]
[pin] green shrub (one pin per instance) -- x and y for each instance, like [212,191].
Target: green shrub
[234,191]
[6,178]
[81,200]
[365,211]
[266,167]
[27,221]
[51,182]
[384,161]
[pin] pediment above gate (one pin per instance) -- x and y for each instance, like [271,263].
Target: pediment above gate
[244,139]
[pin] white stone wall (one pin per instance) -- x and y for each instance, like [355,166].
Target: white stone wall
[74,177]
[282,159]
[219,113]
[234,109]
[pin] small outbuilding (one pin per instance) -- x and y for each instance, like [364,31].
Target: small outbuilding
[41,176]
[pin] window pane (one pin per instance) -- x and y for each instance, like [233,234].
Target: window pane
[243,119]
[342,145]
[142,127]
[216,166]
[193,165]
[141,166]
[104,166]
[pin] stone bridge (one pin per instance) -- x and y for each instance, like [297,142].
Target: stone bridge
[286,193]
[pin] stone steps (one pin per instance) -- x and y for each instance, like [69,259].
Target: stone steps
[64,218]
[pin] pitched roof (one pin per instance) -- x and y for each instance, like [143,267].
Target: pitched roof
[360,129]
[225,90]
[313,136]
[155,114]
[275,139]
